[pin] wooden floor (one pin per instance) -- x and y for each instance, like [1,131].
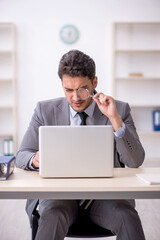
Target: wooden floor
[149,211]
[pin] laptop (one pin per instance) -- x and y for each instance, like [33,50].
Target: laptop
[76,151]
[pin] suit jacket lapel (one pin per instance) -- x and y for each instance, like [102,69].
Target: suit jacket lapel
[99,118]
[63,114]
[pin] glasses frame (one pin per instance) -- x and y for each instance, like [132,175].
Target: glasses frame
[87,91]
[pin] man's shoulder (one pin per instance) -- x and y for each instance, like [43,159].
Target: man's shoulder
[53,102]
[52,105]
[118,102]
[122,106]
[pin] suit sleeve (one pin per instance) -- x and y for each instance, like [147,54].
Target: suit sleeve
[30,142]
[129,147]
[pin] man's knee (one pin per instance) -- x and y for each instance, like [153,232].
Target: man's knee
[53,223]
[125,211]
[55,215]
[63,211]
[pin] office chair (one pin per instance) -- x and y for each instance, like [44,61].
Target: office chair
[82,228]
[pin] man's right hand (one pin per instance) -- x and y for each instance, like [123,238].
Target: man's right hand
[35,161]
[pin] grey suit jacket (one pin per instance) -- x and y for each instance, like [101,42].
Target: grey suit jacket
[127,150]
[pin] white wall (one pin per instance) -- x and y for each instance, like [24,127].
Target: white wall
[39,50]
[39,47]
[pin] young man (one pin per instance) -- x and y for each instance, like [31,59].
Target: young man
[77,73]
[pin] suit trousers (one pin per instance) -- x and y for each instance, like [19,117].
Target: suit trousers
[119,216]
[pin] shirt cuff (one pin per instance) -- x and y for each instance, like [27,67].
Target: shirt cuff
[30,164]
[121,131]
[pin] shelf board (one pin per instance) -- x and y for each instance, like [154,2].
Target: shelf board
[6,134]
[6,80]
[145,105]
[6,24]
[137,78]
[136,23]
[151,133]
[137,50]
[154,159]
[8,106]
[4,52]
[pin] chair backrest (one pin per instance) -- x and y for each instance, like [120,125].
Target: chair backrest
[82,228]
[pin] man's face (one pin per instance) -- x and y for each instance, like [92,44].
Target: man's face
[71,85]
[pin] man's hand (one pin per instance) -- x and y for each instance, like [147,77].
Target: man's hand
[107,106]
[35,161]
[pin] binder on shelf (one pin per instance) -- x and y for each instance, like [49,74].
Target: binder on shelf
[156,120]
[8,148]
[6,166]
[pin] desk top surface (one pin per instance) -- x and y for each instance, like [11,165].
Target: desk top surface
[124,179]
[123,185]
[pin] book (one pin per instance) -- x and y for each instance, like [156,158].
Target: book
[150,178]
[6,166]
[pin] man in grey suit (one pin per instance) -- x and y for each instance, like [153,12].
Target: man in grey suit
[77,74]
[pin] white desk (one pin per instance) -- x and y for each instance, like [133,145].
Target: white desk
[124,185]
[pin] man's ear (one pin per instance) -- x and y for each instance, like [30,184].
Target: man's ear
[95,82]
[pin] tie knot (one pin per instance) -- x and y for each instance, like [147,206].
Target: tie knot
[83,117]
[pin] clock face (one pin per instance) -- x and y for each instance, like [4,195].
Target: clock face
[69,34]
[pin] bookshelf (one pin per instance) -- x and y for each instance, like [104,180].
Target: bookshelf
[8,103]
[136,78]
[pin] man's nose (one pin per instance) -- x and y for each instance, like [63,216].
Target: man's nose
[75,96]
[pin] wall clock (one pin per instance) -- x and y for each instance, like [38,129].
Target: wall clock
[69,34]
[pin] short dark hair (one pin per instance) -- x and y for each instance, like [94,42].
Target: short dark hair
[77,64]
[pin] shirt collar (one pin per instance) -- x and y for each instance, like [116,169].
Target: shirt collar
[89,111]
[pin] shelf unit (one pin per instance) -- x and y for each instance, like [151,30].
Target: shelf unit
[8,93]
[136,78]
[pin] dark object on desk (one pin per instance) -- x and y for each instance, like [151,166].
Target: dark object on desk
[82,228]
[6,166]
